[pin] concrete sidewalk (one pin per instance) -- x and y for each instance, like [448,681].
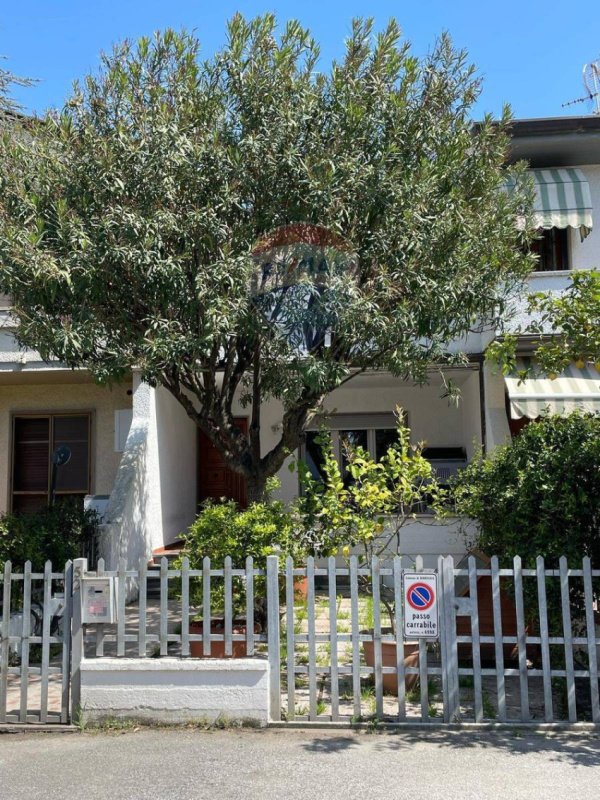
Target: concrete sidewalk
[187,763]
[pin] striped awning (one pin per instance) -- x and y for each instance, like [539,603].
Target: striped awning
[573,389]
[562,199]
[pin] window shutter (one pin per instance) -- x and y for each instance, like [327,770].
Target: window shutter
[34,440]
[31,454]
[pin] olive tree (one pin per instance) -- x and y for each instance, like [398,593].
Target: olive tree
[8,81]
[137,227]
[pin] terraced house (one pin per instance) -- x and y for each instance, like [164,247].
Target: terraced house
[139,459]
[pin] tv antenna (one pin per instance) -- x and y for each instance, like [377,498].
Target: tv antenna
[591,84]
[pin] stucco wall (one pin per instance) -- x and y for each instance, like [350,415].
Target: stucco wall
[175,690]
[470,407]
[133,519]
[586,254]
[176,462]
[427,537]
[62,397]
[10,352]
[496,422]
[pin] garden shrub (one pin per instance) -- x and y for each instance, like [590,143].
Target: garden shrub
[539,495]
[222,529]
[57,534]
[365,509]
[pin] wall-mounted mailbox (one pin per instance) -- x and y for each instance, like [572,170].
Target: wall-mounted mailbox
[98,600]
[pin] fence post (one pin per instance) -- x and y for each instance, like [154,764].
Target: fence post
[449,643]
[273,638]
[79,568]
[442,623]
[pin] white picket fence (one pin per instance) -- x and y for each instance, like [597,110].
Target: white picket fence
[528,653]
[35,613]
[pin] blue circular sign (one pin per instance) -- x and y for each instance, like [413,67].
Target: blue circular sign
[420,596]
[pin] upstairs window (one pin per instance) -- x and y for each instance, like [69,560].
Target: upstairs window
[552,249]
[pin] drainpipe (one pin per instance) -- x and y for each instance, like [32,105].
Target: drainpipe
[479,359]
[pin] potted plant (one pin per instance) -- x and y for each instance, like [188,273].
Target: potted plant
[220,530]
[362,510]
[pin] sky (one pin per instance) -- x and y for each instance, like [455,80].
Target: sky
[529,53]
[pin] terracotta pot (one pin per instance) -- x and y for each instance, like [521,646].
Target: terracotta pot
[300,587]
[388,659]
[508,615]
[217,648]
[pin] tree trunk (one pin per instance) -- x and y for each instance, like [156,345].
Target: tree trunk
[256,488]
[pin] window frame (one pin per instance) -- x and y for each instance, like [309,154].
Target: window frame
[51,416]
[337,423]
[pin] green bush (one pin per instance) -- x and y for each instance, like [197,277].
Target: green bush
[222,529]
[56,534]
[540,495]
[378,498]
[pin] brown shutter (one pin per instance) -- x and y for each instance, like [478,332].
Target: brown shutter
[34,440]
[31,454]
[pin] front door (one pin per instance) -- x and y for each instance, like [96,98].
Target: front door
[215,479]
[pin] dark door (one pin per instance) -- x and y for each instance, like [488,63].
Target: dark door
[215,479]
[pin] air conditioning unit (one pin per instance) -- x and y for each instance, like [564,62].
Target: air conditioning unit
[446,461]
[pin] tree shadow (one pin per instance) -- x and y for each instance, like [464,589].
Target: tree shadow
[331,744]
[575,748]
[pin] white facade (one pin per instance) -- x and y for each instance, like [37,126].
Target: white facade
[583,255]
[154,497]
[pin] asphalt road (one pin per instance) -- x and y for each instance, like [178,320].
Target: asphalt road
[186,764]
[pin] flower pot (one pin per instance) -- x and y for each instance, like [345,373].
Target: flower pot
[388,659]
[508,615]
[217,648]
[300,587]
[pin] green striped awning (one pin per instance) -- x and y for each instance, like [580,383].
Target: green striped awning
[572,389]
[562,199]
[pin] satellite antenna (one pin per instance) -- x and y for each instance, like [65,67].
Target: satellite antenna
[591,84]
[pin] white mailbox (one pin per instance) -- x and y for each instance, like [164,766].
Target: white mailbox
[98,600]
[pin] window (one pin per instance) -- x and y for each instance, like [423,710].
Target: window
[552,249]
[34,440]
[373,432]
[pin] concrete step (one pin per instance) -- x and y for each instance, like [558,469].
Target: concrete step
[170,552]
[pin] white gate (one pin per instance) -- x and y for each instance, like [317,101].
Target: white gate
[35,644]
